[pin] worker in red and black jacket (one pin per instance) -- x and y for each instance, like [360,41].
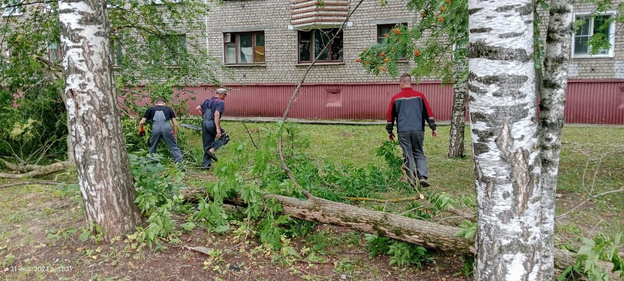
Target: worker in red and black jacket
[410,109]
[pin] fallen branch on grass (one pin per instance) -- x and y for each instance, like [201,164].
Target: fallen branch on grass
[587,200]
[427,234]
[29,182]
[36,170]
[394,200]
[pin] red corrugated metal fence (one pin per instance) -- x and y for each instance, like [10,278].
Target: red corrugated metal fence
[588,102]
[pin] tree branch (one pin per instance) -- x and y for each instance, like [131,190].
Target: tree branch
[30,182]
[41,171]
[587,200]
[294,95]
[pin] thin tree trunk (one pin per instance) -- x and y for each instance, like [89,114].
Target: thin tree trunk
[458,115]
[553,93]
[100,153]
[70,143]
[503,115]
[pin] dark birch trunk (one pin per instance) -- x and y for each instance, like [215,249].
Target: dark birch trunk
[458,115]
[100,153]
[553,93]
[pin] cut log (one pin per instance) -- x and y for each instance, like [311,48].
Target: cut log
[427,234]
[40,170]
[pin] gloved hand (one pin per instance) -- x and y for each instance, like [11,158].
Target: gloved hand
[391,136]
[141,132]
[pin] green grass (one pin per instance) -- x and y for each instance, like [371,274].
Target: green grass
[591,162]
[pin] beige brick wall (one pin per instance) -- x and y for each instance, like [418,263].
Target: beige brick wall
[273,17]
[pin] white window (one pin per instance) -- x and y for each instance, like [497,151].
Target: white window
[116,52]
[160,2]
[168,49]
[589,29]
[54,52]
[48,8]
[12,8]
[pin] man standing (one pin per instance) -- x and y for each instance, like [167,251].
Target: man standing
[410,109]
[213,136]
[161,116]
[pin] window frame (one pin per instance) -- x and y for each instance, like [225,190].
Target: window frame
[162,2]
[162,43]
[234,40]
[56,51]
[116,53]
[312,47]
[12,11]
[590,20]
[381,37]
[391,25]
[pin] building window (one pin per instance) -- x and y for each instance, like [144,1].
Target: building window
[244,47]
[384,29]
[12,8]
[116,53]
[600,25]
[54,52]
[161,2]
[168,49]
[48,8]
[382,34]
[312,43]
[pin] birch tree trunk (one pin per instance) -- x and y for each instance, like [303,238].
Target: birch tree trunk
[553,93]
[503,116]
[101,159]
[458,115]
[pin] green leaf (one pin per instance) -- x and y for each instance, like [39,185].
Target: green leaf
[84,236]
[188,226]
[222,229]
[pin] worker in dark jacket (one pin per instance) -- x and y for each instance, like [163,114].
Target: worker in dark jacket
[410,109]
[213,135]
[161,116]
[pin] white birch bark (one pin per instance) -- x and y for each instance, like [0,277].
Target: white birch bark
[100,154]
[503,122]
[553,93]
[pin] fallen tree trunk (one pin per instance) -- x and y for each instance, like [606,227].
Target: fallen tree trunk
[427,234]
[424,233]
[39,170]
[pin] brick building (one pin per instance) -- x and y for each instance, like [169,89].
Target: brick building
[268,45]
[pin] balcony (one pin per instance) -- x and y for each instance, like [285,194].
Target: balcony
[307,14]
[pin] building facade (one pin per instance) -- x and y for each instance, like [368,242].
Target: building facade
[268,46]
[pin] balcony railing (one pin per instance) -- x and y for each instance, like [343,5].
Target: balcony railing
[309,14]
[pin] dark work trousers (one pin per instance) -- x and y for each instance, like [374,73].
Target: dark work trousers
[161,129]
[209,133]
[412,145]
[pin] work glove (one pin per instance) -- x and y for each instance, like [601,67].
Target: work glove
[141,132]
[391,136]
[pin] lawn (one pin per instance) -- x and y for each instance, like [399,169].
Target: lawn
[40,225]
